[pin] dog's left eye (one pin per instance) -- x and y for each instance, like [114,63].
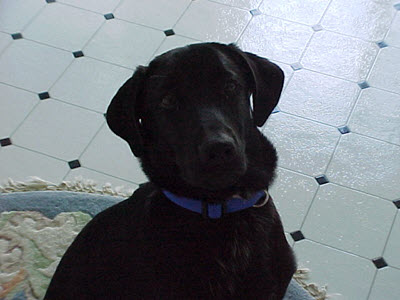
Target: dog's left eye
[168,102]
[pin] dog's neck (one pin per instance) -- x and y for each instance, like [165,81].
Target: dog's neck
[218,210]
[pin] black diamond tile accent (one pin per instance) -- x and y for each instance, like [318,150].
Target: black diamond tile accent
[16,36]
[363,84]
[276,110]
[321,179]
[382,44]
[344,129]
[255,12]
[169,32]
[78,54]
[5,142]
[397,203]
[397,6]
[74,164]
[297,236]
[109,16]
[50,1]
[379,262]
[296,66]
[317,27]
[44,95]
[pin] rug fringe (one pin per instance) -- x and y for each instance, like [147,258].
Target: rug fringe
[90,186]
[319,293]
[78,185]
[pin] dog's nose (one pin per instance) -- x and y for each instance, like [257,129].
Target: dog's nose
[217,152]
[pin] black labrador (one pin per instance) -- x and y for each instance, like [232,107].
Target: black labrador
[203,227]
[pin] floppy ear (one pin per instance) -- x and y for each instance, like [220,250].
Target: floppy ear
[268,83]
[122,115]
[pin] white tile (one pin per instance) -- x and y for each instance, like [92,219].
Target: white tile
[90,83]
[210,21]
[391,254]
[58,129]
[377,114]
[32,66]
[365,19]
[386,71]
[103,6]
[124,43]
[25,10]
[319,97]
[339,55]
[349,221]
[386,285]
[367,165]
[161,14]
[19,164]
[303,146]
[292,194]
[174,41]
[5,40]
[307,11]
[275,39]
[342,273]
[111,155]
[245,4]
[101,180]
[393,36]
[63,26]
[16,105]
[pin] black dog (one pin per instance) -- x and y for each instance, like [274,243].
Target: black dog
[188,117]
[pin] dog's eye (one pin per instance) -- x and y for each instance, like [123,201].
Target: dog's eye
[168,102]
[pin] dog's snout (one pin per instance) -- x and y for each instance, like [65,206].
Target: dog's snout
[218,152]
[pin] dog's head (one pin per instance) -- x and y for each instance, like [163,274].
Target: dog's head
[189,119]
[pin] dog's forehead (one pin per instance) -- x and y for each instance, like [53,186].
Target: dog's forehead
[192,60]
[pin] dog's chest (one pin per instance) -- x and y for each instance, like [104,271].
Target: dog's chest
[202,256]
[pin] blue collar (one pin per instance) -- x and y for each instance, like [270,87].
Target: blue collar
[214,210]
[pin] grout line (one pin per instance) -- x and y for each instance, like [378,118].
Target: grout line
[391,24]
[372,284]
[26,117]
[106,174]
[8,45]
[76,105]
[34,17]
[231,5]
[309,208]
[390,231]
[336,248]
[92,139]
[88,9]
[38,152]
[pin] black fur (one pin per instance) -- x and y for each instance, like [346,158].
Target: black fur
[187,117]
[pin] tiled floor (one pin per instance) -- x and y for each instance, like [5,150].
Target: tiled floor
[339,121]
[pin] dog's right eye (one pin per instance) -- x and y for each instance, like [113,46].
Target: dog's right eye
[168,102]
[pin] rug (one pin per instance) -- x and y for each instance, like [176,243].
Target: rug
[37,224]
